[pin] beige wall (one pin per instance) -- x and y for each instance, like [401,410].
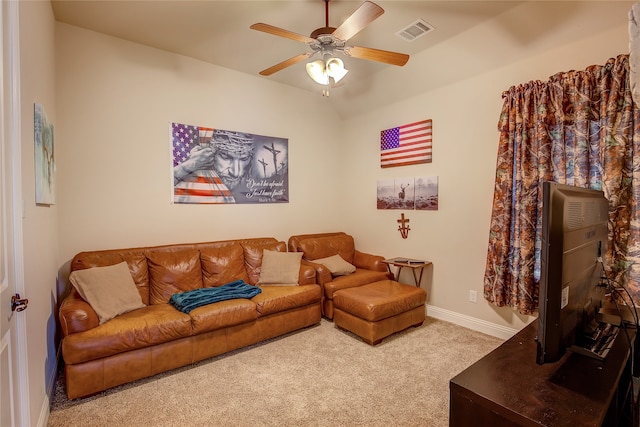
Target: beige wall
[114,173]
[40,223]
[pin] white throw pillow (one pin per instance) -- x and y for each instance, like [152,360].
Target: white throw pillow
[280,268]
[110,290]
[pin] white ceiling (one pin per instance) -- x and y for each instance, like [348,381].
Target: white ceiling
[218,32]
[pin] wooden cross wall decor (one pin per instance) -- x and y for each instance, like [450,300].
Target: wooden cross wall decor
[404,226]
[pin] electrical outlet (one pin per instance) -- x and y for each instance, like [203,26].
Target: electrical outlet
[473,296]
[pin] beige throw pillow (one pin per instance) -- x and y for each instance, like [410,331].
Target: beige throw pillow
[336,265]
[280,268]
[109,290]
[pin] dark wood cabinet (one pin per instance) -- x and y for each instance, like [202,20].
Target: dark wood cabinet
[508,388]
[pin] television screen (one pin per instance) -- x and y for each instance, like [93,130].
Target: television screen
[574,241]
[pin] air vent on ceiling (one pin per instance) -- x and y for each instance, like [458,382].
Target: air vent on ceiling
[415,30]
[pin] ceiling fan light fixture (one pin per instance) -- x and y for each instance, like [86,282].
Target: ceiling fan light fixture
[335,69]
[316,70]
[322,70]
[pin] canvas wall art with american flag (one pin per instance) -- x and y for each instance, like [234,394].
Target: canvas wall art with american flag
[406,145]
[214,166]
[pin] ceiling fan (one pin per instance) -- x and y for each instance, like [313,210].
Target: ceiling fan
[328,40]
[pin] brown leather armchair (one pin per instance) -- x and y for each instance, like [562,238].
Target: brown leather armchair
[369,267]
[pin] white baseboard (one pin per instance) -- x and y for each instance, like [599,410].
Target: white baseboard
[479,325]
[43,418]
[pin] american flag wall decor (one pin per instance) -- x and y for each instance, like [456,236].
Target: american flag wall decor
[406,145]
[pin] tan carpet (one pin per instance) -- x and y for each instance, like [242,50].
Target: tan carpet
[320,376]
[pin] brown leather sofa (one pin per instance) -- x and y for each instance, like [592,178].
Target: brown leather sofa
[369,268]
[158,337]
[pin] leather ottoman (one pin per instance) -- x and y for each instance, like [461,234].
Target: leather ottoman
[379,309]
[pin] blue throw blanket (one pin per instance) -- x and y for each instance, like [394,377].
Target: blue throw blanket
[187,301]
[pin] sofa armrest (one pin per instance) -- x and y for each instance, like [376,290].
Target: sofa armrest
[369,261]
[76,315]
[307,275]
[323,275]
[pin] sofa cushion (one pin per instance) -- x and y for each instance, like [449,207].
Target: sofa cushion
[358,278]
[323,247]
[274,299]
[222,314]
[171,271]
[253,256]
[222,265]
[336,265]
[109,290]
[146,327]
[280,268]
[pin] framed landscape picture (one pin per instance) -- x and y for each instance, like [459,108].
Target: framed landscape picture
[419,193]
[45,166]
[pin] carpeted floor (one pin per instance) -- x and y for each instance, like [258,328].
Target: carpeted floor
[320,376]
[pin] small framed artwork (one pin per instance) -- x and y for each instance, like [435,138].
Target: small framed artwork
[415,193]
[396,193]
[45,166]
[426,192]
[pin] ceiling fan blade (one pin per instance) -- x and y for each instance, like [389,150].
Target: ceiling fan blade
[359,19]
[285,64]
[270,29]
[393,58]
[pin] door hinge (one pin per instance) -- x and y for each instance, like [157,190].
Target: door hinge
[18,304]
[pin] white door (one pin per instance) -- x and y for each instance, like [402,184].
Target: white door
[13,393]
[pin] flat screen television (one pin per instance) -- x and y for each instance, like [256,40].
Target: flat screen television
[574,242]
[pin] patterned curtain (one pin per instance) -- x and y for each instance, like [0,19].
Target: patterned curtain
[579,128]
